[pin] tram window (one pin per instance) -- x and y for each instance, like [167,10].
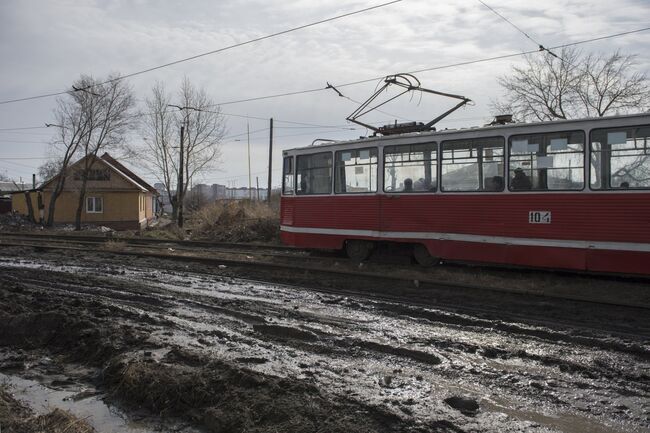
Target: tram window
[410,168]
[356,171]
[547,162]
[473,165]
[314,173]
[287,176]
[620,158]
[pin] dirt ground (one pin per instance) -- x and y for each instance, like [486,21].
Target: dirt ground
[142,345]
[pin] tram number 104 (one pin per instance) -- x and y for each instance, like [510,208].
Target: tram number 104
[539,217]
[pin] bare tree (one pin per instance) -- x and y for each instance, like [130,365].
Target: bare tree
[4,177]
[49,169]
[95,116]
[608,84]
[109,106]
[573,85]
[73,125]
[204,127]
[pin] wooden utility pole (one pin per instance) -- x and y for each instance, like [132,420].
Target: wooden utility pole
[250,184]
[268,189]
[179,193]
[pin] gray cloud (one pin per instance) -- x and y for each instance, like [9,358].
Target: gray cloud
[46,45]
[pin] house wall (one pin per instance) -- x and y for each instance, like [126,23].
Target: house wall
[120,210]
[19,204]
[149,211]
[125,206]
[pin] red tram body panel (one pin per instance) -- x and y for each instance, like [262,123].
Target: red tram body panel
[594,227]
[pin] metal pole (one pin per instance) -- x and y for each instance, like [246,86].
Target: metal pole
[250,183]
[257,180]
[268,190]
[179,193]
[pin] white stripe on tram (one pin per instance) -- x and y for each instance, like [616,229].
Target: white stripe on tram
[503,240]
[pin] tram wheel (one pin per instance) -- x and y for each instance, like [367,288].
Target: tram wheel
[422,256]
[358,250]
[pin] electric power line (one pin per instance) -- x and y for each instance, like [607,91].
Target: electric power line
[23,157]
[433,68]
[368,80]
[541,47]
[23,128]
[219,50]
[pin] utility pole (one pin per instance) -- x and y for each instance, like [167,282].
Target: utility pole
[268,190]
[179,193]
[257,180]
[250,186]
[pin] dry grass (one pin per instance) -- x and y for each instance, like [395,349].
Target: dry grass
[60,421]
[169,232]
[114,246]
[236,221]
[16,418]
[227,398]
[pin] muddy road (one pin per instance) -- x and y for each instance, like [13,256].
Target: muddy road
[134,345]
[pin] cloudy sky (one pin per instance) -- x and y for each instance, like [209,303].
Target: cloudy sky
[45,45]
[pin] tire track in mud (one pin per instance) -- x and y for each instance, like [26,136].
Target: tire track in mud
[379,345]
[286,333]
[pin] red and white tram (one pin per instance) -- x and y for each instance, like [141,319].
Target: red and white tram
[571,194]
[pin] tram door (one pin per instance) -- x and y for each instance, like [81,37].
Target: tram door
[409,179]
[356,201]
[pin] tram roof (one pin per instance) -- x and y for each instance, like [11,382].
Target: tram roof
[488,130]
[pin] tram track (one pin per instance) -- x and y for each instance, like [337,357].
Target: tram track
[275,259]
[162,243]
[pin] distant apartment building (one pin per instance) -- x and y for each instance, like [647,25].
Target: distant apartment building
[202,194]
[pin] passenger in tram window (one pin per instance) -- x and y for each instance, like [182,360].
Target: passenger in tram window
[520,181]
[408,185]
[495,183]
[420,185]
[625,185]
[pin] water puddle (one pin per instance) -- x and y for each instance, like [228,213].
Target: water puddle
[85,404]
[565,422]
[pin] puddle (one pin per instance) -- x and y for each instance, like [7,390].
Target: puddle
[92,409]
[564,422]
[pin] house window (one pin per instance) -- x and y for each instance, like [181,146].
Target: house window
[94,205]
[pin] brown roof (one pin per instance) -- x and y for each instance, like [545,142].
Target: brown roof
[118,167]
[112,161]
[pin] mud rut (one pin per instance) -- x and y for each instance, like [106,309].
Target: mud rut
[226,354]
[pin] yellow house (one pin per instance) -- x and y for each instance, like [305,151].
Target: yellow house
[115,197]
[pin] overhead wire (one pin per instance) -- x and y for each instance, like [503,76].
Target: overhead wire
[22,128]
[541,47]
[368,80]
[219,50]
[432,68]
